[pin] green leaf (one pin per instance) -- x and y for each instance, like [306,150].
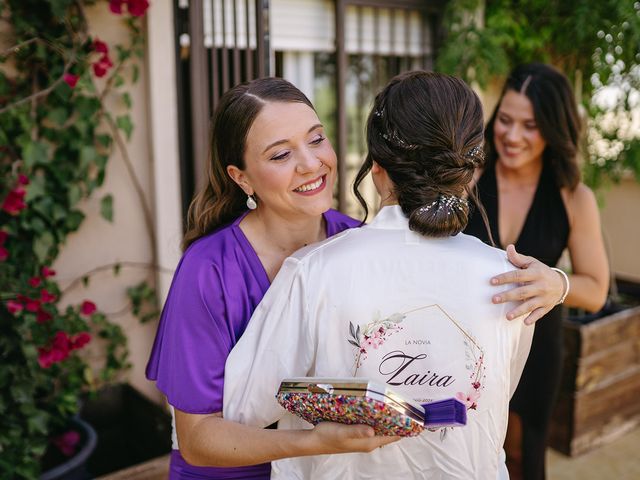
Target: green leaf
[135,73]
[36,188]
[58,116]
[37,422]
[74,194]
[106,207]
[59,7]
[74,220]
[88,156]
[34,153]
[126,98]
[104,140]
[124,123]
[42,245]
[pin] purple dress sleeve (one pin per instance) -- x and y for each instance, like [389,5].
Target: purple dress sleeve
[217,286]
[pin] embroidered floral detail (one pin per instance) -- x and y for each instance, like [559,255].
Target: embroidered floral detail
[373,335]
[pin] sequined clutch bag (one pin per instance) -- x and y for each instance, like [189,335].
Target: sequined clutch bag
[360,401]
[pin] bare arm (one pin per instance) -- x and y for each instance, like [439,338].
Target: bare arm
[209,440]
[590,276]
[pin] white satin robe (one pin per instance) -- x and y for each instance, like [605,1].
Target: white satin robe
[419,310]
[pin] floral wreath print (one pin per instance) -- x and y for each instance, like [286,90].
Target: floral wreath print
[374,334]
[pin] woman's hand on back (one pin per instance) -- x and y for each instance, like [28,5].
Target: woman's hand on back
[538,287]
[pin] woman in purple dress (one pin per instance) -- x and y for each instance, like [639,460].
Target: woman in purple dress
[269,193]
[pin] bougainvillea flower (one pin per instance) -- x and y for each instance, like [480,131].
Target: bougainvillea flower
[43,317]
[35,281]
[100,47]
[23,179]
[80,340]
[47,272]
[14,307]
[3,237]
[87,308]
[71,79]
[102,66]
[32,305]
[137,8]
[67,442]
[56,352]
[46,296]
[14,201]
[116,6]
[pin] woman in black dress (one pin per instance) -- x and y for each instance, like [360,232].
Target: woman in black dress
[534,199]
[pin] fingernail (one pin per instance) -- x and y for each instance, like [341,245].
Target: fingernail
[496,299]
[510,316]
[494,281]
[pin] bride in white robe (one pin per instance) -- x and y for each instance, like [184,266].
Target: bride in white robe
[401,301]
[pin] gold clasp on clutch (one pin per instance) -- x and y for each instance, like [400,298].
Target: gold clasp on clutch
[320,388]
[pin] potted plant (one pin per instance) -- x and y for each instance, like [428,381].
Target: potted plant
[55,140]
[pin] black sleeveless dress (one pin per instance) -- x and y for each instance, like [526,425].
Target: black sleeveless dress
[544,236]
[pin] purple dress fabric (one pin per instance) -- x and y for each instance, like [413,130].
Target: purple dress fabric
[216,287]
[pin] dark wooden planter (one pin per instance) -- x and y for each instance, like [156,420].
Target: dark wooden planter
[600,394]
[131,429]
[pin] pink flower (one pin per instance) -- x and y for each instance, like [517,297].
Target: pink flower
[116,6]
[80,340]
[14,201]
[35,281]
[100,47]
[470,399]
[56,352]
[3,237]
[14,307]
[71,79]
[32,305]
[43,317]
[47,272]
[87,308]
[46,296]
[4,254]
[138,8]
[67,442]
[102,66]
[23,179]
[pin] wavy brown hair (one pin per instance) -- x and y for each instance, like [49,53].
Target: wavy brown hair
[556,115]
[221,200]
[425,130]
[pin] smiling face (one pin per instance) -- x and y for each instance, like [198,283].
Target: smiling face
[517,138]
[290,165]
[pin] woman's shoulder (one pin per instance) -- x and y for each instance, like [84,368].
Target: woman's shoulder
[580,202]
[340,220]
[210,249]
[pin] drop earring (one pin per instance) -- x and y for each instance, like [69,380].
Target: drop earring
[251,203]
